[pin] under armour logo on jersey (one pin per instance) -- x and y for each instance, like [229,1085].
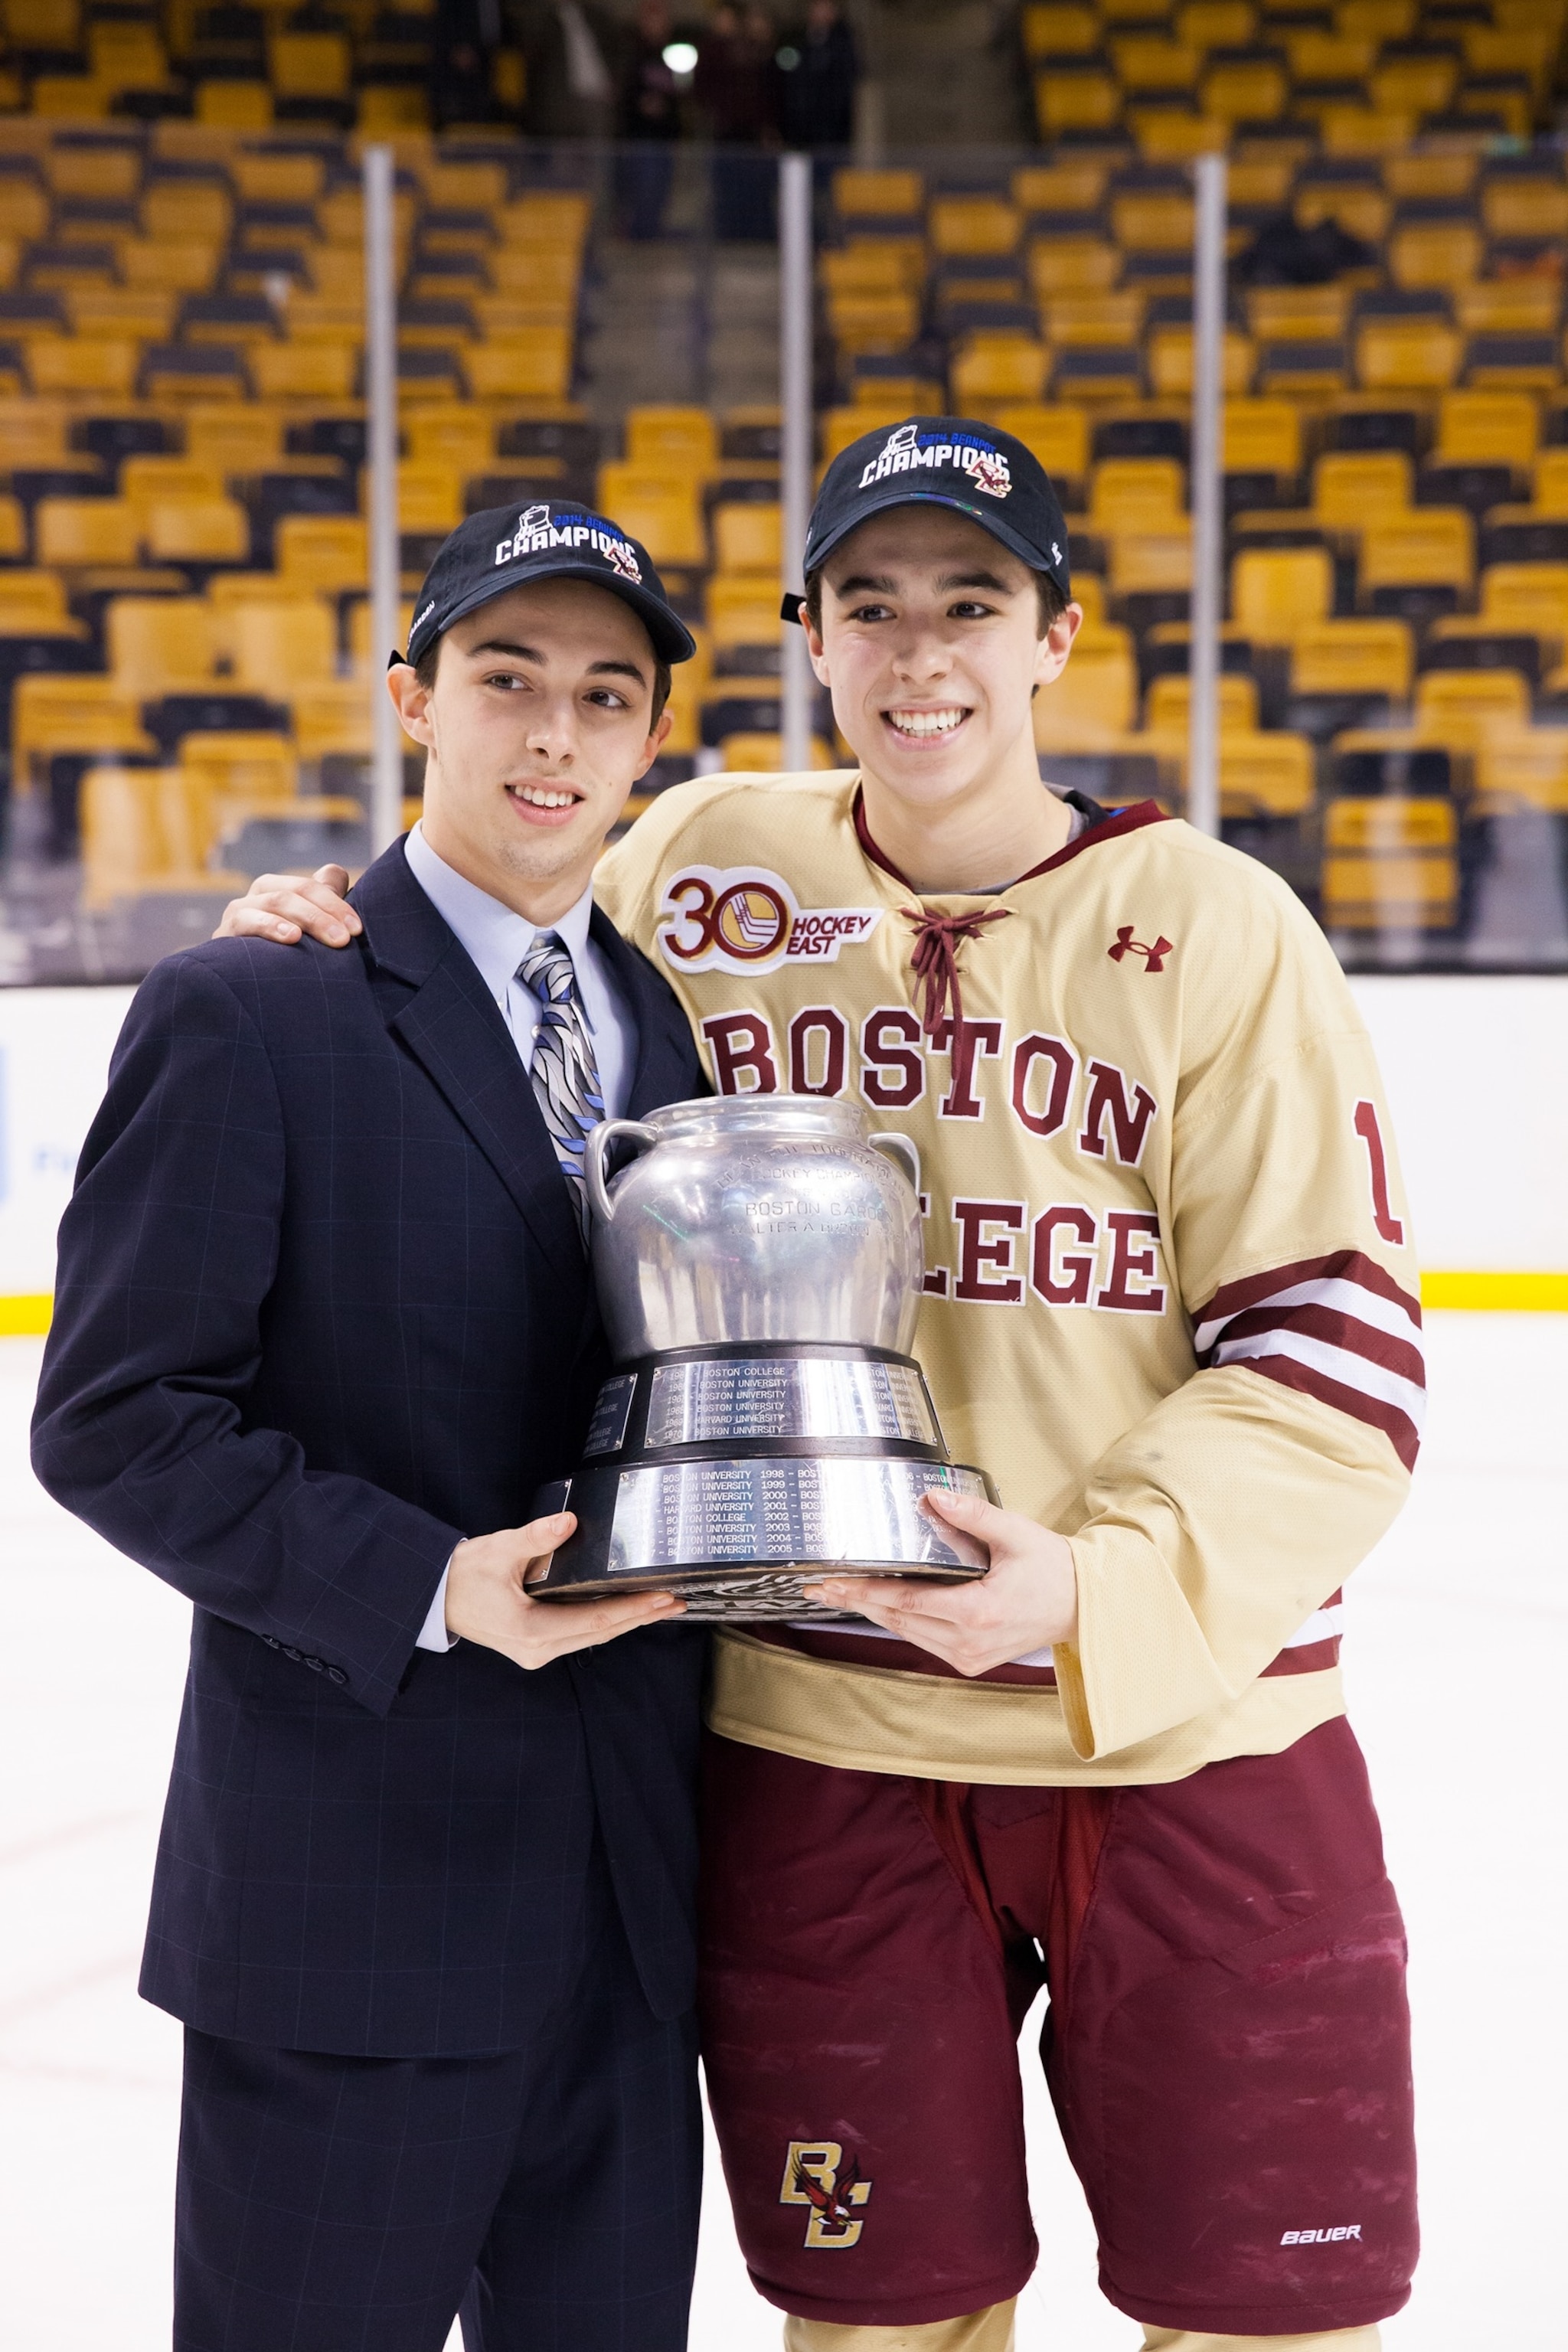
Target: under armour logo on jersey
[1153,957]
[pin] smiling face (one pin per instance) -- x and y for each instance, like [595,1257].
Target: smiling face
[931,645]
[538,724]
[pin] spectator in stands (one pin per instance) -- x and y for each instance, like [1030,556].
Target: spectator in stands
[735,86]
[819,86]
[650,124]
[572,48]
[467,34]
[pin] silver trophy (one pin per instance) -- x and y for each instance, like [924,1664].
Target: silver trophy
[759,1267]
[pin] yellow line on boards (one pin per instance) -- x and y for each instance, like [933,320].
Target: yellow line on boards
[1497,1294]
[1485,1294]
[23,1318]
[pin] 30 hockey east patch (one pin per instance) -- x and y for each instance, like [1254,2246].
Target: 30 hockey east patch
[744,919]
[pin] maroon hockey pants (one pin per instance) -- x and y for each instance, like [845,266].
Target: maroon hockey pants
[1227,2046]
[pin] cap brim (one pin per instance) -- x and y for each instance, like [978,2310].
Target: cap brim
[672,640]
[896,495]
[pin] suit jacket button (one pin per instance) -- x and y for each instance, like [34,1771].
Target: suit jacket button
[272,1641]
[289,1651]
[314,1664]
[336,1674]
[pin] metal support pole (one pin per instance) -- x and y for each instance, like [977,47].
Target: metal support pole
[796,451]
[1207,605]
[381,476]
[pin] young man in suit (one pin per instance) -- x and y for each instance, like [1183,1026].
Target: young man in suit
[324,1327]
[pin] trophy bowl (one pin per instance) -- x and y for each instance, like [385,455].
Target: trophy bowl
[758,1263]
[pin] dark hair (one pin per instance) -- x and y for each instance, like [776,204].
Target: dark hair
[424,671]
[1052,603]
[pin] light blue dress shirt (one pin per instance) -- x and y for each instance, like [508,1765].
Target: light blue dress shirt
[497,939]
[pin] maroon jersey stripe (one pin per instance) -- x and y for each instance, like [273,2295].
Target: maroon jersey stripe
[1336,1329]
[1396,1426]
[1345,1265]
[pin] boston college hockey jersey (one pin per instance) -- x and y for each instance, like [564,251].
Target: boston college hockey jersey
[1171,1297]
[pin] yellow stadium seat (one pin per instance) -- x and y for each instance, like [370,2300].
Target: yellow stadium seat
[1059,32]
[1168,704]
[1408,355]
[269,179]
[145,480]
[1436,253]
[1527,770]
[1150,562]
[1365,131]
[29,600]
[1095,320]
[661,509]
[1169,351]
[1148,62]
[241,773]
[1482,428]
[973,225]
[13,530]
[558,218]
[1414,85]
[235,437]
[1377,20]
[234,105]
[535,366]
[100,365]
[33,432]
[1529,49]
[1360,210]
[332,716]
[144,314]
[762,755]
[1431,547]
[1390,865]
[1147,223]
[1217,23]
[141,829]
[1353,657]
[1353,487]
[862,324]
[867,266]
[1072,264]
[459,435]
[429,495]
[988,368]
[748,536]
[1167,135]
[1315,55]
[1262,436]
[1298,314]
[309,65]
[1463,705]
[186,211]
[1137,494]
[196,530]
[159,644]
[24,210]
[1509,306]
[303,371]
[1058,436]
[326,318]
[326,552]
[75,97]
[877,195]
[1070,184]
[1276,593]
[53,712]
[275,645]
[361,659]
[682,440]
[173,265]
[1525,208]
[463,184]
[75,531]
[742,610]
[1531,597]
[1550,495]
[1265,774]
[1079,101]
[1094,701]
[1245,90]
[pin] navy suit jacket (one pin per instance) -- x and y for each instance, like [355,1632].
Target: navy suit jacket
[322,1310]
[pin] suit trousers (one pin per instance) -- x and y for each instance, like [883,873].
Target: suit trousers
[342,2204]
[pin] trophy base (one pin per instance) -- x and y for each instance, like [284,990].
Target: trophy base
[741,1538]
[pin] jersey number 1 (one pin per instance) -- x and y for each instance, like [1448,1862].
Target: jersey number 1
[1390,1227]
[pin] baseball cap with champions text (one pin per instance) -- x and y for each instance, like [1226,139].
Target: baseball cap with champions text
[946,461]
[556,539]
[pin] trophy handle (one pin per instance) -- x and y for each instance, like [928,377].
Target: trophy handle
[902,1150]
[599,1142]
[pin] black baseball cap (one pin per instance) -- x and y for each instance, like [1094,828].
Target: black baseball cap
[555,539]
[945,461]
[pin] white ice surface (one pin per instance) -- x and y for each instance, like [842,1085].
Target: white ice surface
[1457,1657]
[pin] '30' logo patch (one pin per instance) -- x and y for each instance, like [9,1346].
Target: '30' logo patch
[743,918]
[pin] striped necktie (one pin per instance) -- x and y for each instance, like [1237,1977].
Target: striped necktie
[564,1072]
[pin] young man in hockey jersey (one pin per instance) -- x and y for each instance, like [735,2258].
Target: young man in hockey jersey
[1170,1305]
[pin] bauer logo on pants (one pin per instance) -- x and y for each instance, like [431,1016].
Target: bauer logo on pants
[743,918]
[815,2175]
